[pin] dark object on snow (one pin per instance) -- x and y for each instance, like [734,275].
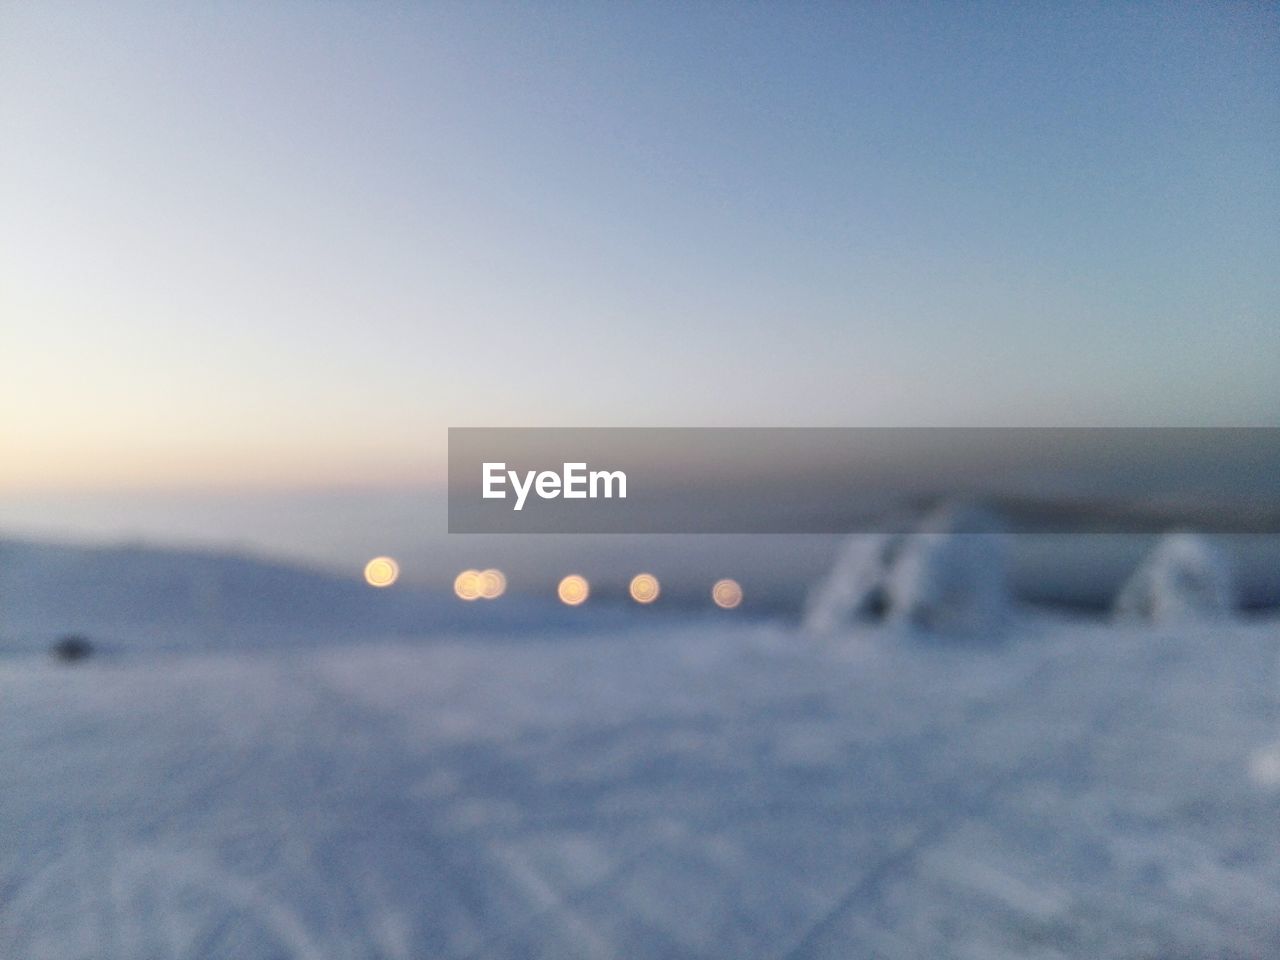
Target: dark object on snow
[72,647]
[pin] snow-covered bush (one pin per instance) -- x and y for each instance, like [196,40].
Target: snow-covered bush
[1184,578]
[949,577]
[854,589]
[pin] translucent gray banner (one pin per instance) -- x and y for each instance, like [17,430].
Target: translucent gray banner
[783,480]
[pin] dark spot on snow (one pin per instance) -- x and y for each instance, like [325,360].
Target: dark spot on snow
[71,648]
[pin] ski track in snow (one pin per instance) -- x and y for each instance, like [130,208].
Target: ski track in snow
[701,791]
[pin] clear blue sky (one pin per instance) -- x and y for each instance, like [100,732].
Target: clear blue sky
[282,243]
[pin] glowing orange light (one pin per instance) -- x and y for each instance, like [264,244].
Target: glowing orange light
[492,584]
[381,572]
[467,584]
[727,594]
[644,588]
[573,590]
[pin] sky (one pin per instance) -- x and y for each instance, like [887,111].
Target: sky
[288,245]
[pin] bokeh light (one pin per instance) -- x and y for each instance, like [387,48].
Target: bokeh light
[726,593]
[381,572]
[573,590]
[492,584]
[467,584]
[644,588]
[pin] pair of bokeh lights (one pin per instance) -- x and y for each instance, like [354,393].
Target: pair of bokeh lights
[572,591]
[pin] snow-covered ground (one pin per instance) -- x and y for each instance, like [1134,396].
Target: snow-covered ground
[692,787]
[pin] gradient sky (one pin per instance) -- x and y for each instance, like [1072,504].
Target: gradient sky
[289,244]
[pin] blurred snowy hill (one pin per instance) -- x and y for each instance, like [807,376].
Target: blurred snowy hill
[314,769]
[154,597]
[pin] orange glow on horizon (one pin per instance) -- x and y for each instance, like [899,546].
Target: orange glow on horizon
[467,585]
[573,590]
[492,584]
[727,594]
[381,572]
[645,588]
